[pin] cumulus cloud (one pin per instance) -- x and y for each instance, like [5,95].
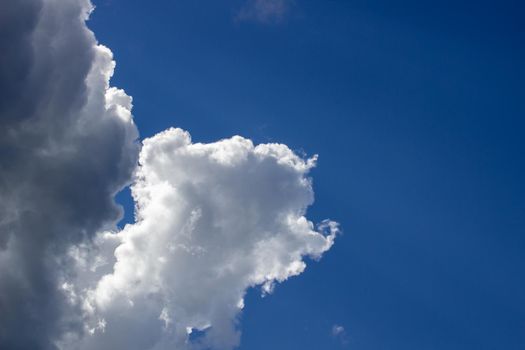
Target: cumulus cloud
[67,145]
[212,220]
[264,11]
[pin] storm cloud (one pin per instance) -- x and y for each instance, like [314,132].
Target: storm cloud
[67,145]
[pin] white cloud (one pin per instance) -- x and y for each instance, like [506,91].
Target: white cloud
[264,11]
[212,220]
[337,330]
[339,333]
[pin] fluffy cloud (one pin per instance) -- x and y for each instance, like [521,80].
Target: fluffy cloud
[67,145]
[211,219]
[264,11]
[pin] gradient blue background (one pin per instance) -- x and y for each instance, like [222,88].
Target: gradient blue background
[417,109]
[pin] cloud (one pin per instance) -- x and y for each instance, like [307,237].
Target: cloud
[339,333]
[337,330]
[211,219]
[264,11]
[67,145]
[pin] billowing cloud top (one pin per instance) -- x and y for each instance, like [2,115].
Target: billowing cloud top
[211,219]
[67,145]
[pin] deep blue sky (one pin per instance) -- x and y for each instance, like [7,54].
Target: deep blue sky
[417,109]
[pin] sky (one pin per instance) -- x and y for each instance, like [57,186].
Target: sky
[415,109]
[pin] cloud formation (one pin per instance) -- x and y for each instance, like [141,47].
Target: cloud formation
[212,220]
[67,145]
[264,11]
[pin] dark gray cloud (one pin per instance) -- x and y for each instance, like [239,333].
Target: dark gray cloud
[67,145]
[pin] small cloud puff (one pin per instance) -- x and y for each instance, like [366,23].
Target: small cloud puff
[338,332]
[265,11]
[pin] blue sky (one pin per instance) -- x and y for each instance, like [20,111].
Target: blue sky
[416,109]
